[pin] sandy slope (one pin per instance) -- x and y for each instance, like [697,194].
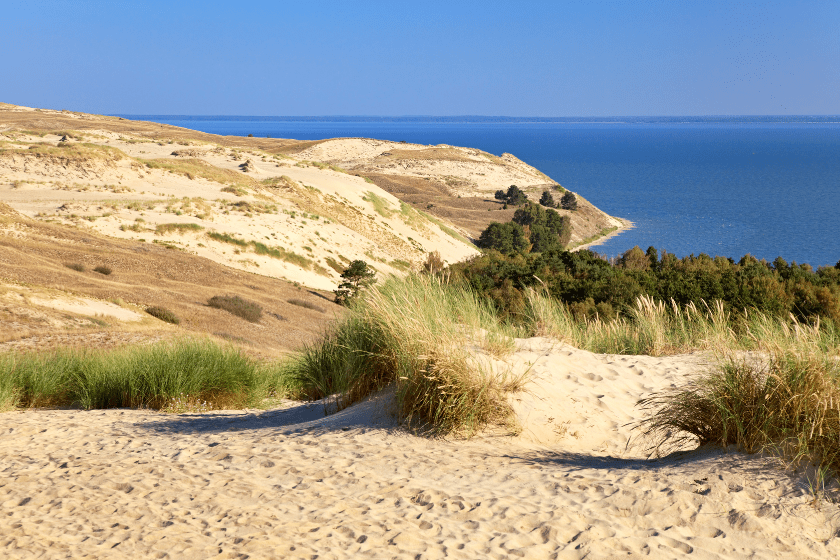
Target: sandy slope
[287,195]
[289,483]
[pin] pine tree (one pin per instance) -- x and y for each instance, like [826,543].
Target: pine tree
[569,201]
[547,200]
[356,278]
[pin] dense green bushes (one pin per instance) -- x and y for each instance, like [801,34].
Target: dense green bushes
[532,229]
[591,285]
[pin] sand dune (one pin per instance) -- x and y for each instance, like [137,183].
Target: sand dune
[291,483]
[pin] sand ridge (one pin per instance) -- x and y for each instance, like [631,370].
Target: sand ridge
[292,483]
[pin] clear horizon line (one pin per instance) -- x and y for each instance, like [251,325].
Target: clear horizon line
[472,116]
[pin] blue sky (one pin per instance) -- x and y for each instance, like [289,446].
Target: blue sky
[575,58]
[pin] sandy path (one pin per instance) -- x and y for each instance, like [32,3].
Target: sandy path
[291,484]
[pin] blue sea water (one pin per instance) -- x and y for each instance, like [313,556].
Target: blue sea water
[768,187]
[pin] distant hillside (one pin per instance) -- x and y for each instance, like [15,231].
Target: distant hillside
[179,216]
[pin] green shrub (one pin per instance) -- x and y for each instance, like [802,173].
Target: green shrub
[163,314]
[103,269]
[235,305]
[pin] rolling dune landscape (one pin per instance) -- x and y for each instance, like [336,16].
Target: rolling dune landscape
[416,424]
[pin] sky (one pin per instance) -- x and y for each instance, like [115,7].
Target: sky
[377,58]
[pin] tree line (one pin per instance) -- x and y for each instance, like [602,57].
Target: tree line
[592,286]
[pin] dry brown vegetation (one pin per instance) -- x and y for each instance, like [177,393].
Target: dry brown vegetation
[34,253]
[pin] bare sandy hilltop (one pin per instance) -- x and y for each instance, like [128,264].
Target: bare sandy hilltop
[102,219]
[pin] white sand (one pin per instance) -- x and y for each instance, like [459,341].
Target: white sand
[292,484]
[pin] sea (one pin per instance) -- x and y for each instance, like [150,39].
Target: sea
[728,186]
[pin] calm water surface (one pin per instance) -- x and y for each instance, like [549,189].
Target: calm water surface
[727,189]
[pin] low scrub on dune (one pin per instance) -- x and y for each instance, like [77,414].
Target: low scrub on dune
[193,168]
[162,229]
[145,376]
[76,152]
[789,404]
[248,310]
[163,314]
[414,334]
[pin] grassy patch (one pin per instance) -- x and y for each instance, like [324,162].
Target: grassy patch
[413,334]
[380,205]
[445,229]
[333,264]
[78,267]
[163,314]
[234,189]
[226,238]
[603,233]
[194,168]
[145,376]
[263,249]
[103,269]
[238,306]
[162,229]
[404,266]
[76,152]
[655,328]
[789,405]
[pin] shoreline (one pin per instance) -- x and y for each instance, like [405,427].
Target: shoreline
[625,225]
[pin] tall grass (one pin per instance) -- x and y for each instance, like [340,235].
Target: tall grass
[789,404]
[142,376]
[784,399]
[416,335]
[656,328]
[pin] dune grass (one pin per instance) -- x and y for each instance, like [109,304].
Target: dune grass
[140,376]
[415,334]
[776,387]
[262,249]
[192,168]
[182,228]
[655,328]
[789,405]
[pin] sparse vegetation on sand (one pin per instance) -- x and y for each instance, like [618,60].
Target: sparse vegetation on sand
[67,152]
[193,168]
[413,334]
[162,229]
[783,397]
[789,404]
[143,376]
[263,249]
[238,306]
